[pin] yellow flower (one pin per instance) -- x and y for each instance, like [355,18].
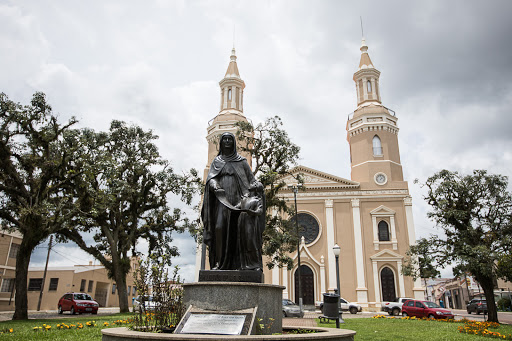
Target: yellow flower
[11,330]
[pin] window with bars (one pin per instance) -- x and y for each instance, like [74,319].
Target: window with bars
[54,283]
[35,284]
[113,288]
[14,250]
[383,231]
[82,285]
[7,285]
[89,288]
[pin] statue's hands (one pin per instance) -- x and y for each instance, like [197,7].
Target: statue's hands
[214,185]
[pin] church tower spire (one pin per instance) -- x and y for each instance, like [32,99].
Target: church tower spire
[231,110]
[372,132]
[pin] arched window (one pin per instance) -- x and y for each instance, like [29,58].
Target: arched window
[369,86]
[383,231]
[377,146]
[229,95]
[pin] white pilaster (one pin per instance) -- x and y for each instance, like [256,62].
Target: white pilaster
[275,275]
[393,232]
[322,277]
[357,91]
[365,88]
[362,291]
[225,98]
[240,94]
[400,278]
[285,283]
[374,90]
[418,290]
[331,263]
[233,96]
[376,283]
[375,233]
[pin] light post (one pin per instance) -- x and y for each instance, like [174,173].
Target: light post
[336,250]
[295,189]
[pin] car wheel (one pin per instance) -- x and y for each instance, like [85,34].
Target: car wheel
[72,311]
[60,309]
[431,316]
[353,310]
[404,314]
[284,314]
[396,312]
[95,312]
[478,312]
[469,312]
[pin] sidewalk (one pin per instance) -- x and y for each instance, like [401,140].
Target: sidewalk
[53,314]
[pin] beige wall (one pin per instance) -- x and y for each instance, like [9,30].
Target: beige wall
[7,267]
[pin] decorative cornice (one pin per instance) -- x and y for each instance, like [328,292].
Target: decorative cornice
[363,193]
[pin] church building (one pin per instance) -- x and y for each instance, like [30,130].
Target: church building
[369,216]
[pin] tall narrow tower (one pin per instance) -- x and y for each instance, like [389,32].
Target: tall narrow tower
[231,110]
[372,132]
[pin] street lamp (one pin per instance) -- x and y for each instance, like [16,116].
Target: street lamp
[295,189]
[336,250]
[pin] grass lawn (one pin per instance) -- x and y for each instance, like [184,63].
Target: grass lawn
[24,330]
[397,329]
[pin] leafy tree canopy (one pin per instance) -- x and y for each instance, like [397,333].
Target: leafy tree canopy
[37,168]
[474,212]
[273,155]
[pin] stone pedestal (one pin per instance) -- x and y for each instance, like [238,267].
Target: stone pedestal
[231,276]
[225,296]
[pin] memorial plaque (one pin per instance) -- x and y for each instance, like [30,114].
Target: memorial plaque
[200,321]
[214,324]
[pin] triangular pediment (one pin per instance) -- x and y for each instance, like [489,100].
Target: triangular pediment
[382,210]
[386,255]
[317,179]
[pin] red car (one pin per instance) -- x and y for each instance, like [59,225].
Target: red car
[425,309]
[75,302]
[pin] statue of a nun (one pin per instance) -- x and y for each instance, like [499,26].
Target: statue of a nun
[233,211]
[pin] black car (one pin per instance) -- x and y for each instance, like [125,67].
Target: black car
[477,305]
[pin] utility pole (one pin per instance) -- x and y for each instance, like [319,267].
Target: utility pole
[44,274]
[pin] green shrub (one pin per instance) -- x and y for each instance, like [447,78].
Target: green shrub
[504,303]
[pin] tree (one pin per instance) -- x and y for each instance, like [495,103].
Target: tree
[35,171]
[475,213]
[125,196]
[273,155]
[419,263]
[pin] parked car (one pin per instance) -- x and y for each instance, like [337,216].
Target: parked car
[143,303]
[77,302]
[477,305]
[394,307]
[290,309]
[425,309]
[345,305]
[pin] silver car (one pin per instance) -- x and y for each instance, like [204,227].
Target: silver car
[290,309]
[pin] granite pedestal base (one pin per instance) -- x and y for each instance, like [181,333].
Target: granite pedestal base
[225,296]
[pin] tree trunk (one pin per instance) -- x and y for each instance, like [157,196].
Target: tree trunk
[22,262]
[487,285]
[121,290]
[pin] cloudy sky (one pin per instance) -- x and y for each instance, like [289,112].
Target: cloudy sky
[445,72]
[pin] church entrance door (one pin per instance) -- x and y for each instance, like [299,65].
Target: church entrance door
[387,282]
[308,287]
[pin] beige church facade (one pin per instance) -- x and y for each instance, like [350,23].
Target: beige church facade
[369,216]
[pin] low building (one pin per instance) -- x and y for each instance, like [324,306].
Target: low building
[9,245]
[91,279]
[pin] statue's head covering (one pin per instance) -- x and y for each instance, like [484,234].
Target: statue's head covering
[234,155]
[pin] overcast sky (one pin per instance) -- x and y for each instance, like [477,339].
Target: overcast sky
[445,70]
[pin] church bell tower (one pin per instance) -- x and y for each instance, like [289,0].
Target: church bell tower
[372,131]
[231,110]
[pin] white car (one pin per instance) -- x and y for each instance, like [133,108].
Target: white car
[345,305]
[147,303]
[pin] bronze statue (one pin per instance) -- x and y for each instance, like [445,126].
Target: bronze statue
[233,211]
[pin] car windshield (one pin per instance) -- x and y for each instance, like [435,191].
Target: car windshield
[431,305]
[83,297]
[288,302]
